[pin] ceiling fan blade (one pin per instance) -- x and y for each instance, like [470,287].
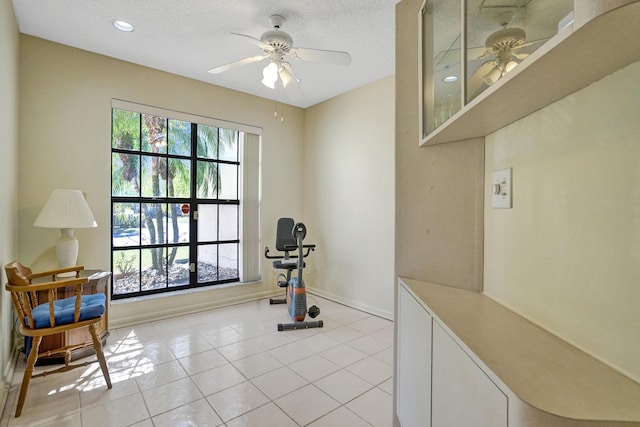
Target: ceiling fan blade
[237,63]
[319,55]
[475,52]
[521,56]
[290,82]
[476,81]
[530,43]
[487,52]
[262,45]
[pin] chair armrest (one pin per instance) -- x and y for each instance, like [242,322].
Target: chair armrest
[53,273]
[33,287]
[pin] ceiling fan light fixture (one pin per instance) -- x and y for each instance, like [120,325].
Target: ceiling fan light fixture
[285,74]
[510,66]
[277,39]
[275,45]
[492,76]
[270,75]
[506,37]
[122,25]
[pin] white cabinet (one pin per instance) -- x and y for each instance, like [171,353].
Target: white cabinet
[462,394]
[438,384]
[464,360]
[413,362]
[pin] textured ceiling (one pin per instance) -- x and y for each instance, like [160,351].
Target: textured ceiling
[188,38]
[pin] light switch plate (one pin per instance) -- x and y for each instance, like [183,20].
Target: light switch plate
[501,189]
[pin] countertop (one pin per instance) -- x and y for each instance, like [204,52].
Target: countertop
[541,369]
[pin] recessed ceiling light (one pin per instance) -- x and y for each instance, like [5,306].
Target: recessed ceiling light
[123,26]
[450,79]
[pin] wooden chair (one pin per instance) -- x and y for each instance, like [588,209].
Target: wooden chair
[41,314]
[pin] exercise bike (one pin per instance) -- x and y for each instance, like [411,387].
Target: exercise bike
[289,238]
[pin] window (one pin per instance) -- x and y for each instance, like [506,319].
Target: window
[179,187]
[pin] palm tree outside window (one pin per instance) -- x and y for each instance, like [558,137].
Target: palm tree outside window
[175,203]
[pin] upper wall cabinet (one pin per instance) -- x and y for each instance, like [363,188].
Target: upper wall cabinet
[487,63]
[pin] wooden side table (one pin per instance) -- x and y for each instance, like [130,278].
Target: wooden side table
[98,283]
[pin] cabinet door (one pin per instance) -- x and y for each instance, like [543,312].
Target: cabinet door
[413,362]
[463,395]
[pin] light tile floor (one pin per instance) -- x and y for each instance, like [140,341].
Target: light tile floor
[226,367]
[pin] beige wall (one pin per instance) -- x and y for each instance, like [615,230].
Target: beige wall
[567,256]
[9,44]
[65,126]
[66,95]
[439,189]
[349,196]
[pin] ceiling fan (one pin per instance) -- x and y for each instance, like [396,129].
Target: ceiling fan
[276,45]
[504,44]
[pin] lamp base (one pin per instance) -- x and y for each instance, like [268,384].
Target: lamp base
[67,250]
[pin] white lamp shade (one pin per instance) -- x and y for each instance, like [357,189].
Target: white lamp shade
[66,209]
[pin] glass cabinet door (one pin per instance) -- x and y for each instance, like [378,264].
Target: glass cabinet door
[500,34]
[441,65]
[467,46]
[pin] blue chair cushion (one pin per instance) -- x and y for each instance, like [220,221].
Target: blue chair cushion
[91,307]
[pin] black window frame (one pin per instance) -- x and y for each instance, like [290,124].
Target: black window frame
[193,202]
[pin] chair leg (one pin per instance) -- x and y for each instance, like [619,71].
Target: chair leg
[97,345]
[28,372]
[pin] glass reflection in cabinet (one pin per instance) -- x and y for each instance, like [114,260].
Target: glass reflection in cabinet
[441,65]
[466,46]
[503,33]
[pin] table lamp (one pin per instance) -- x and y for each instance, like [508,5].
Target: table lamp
[66,210]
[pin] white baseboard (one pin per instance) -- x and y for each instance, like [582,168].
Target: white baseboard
[189,304]
[126,313]
[351,303]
